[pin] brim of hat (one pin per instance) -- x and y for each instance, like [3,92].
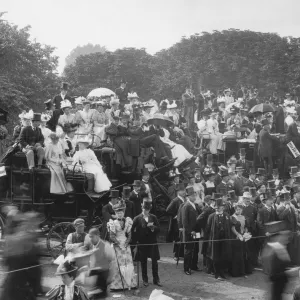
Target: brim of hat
[68,106]
[62,273]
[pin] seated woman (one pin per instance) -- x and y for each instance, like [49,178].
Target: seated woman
[100,121]
[240,259]
[85,118]
[70,139]
[120,235]
[67,117]
[45,130]
[68,290]
[90,164]
[54,156]
[177,150]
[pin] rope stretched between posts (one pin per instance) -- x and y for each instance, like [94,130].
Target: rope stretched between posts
[141,245]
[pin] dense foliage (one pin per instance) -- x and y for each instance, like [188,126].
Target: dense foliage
[28,75]
[214,60]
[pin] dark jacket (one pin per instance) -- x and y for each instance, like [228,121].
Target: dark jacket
[130,209]
[52,123]
[57,100]
[122,94]
[289,216]
[239,184]
[264,216]
[292,133]
[266,143]
[250,213]
[137,202]
[30,136]
[189,219]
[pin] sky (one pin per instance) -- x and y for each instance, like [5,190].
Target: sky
[150,24]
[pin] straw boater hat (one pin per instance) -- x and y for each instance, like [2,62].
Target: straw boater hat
[65,103]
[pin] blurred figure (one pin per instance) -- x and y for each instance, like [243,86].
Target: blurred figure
[20,252]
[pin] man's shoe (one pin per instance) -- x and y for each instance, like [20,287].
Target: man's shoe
[145,283]
[157,283]
[188,272]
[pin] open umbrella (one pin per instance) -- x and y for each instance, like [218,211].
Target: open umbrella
[161,120]
[262,108]
[101,92]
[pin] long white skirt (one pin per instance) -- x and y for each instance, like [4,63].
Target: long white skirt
[100,135]
[216,142]
[102,183]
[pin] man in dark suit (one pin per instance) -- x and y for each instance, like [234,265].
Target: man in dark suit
[122,94]
[172,211]
[224,183]
[62,96]
[145,228]
[240,181]
[292,133]
[190,213]
[130,208]
[243,163]
[251,182]
[266,145]
[232,198]
[32,141]
[135,196]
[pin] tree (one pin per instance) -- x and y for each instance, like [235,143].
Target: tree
[107,69]
[27,70]
[83,50]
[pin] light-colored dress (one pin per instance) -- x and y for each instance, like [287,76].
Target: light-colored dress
[54,158]
[46,132]
[66,119]
[216,138]
[90,164]
[123,255]
[85,119]
[100,122]
[177,150]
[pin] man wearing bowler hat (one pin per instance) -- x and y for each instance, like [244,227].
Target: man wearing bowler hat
[225,178]
[32,142]
[172,211]
[251,182]
[108,213]
[62,96]
[190,213]
[135,196]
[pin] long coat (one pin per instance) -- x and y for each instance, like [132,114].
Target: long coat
[107,213]
[189,220]
[130,209]
[239,184]
[143,235]
[137,202]
[213,234]
[172,211]
[266,145]
[264,216]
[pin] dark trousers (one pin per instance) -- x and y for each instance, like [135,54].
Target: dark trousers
[277,286]
[191,251]
[154,270]
[268,164]
[102,277]
[219,268]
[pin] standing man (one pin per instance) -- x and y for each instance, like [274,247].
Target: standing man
[240,181]
[242,162]
[266,146]
[122,94]
[172,211]
[130,208]
[75,240]
[224,183]
[190,213]
[135,196]
[62,96]
[188,100]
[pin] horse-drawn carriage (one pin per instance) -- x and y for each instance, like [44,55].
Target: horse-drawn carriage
[30,190]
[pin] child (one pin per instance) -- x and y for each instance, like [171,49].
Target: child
[90,164]
[67,291]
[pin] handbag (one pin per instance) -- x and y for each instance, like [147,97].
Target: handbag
[72,175]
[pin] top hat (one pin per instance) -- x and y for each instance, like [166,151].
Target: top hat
[64,86]
[242,152]
[147,204]
[219,202]
[119,206]
[252,171]
[224,172]
[265,122]
[294,170]
[180,186]
[37,117]
[261,171]
[252,191]
[66,268]
[137,183]
[126,191]
[114,194]
[190,191]
[78,222]
[271,183]
[232,195]
[275,172]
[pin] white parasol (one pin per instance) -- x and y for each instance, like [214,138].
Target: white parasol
[100,93]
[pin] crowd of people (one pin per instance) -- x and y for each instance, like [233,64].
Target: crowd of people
[228,209]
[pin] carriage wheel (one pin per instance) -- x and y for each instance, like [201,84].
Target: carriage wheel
[1,229]
[57,237]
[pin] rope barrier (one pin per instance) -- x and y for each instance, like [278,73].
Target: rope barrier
[24,269]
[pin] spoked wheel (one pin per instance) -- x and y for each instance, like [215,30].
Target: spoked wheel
[1,229]
[57,237]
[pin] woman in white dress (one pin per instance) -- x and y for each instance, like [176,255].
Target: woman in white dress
[54,156]
[45,130]
[100,121]
[177,150]
[216,138]
[120,235]
[90,164]
[67,117]
[85,118]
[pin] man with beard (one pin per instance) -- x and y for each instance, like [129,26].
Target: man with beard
[218,230]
